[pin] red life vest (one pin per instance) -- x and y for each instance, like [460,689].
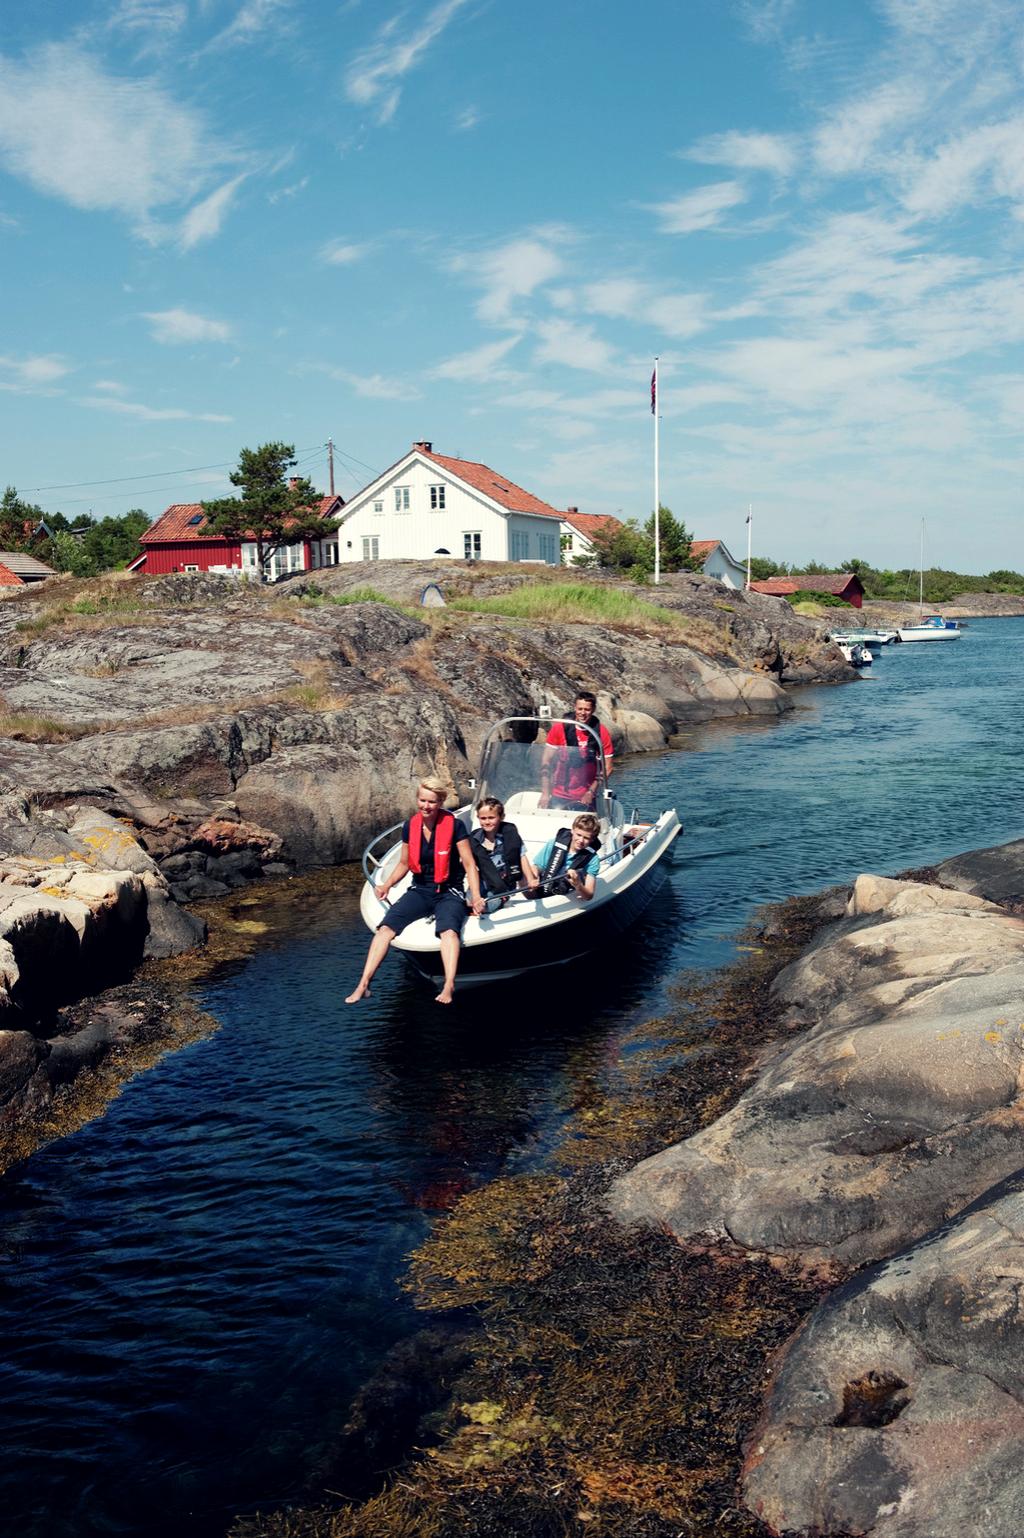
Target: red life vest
[444,833]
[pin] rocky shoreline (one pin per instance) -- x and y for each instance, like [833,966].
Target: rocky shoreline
[167,741]
[884,1135]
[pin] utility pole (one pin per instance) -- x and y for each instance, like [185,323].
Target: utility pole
[330,463]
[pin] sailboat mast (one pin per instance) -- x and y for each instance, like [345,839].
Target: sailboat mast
[920,578]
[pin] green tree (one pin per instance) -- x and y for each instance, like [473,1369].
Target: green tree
[273,510]
[16,517]
[673,539]
[66,553]
[762,567]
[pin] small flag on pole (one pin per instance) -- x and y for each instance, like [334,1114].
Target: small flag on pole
[654,393]
[750,515]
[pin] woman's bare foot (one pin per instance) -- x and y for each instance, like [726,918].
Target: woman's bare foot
[362,992]
[445,996]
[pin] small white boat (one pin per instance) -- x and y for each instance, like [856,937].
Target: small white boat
[932,628]
[857,656]
[525,933]
[875,639]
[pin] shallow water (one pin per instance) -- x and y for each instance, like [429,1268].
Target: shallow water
[192,1287]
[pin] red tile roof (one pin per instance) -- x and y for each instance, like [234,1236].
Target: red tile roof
[8,578]
[700,549]
[498,487]
[808,582]
[588,524]
[176,523]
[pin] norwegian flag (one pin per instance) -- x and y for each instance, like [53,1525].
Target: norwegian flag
[654,393]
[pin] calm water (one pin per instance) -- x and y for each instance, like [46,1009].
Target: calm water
[192,1288]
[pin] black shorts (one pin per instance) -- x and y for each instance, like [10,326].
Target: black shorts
[448,909]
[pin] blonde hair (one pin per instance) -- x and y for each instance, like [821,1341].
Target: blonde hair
[588,822]
[436,786]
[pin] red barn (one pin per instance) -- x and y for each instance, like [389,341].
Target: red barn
[842,584]
[177,542]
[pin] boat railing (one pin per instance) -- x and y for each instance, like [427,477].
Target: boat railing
[372,862]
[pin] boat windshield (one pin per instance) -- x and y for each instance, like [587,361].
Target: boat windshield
[510,766]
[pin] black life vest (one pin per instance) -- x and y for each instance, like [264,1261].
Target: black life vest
[582,741]
[444,837]
[495,879]
[559,862]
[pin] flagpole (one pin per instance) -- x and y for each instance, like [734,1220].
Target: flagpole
[655,403]
[750,532]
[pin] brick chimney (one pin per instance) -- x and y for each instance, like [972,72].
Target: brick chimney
[572,509]
[424,447]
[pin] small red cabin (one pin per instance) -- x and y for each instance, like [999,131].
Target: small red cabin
[843,584]
[176,542]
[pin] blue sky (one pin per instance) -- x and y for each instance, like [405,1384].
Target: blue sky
[476,221]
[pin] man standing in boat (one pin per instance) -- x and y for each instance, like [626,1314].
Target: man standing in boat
[568,768]
[436,848]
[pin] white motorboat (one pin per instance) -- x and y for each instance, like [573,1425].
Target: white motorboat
[932,628]
[524,933]
[874,639]
[857,656]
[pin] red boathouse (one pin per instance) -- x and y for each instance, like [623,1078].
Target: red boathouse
[841,584]
[177,542]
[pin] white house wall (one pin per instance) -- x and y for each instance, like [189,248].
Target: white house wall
[420,532]
[725,569]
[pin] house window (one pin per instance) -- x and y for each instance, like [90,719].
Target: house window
[436,498]
[519,545]
[371,547]
[549,549]
[471,546]
[378,506]
[190,568]
[330,552]
[401,499]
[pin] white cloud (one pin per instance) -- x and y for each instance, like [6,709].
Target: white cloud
[678,315]
[291,191]
[699,210]
[984,161]
[746,151]
[110,386]
[573,346]
[373,79]
[150,413]
[152,23]
[467,119]
[176,326]
[98,141]
[377,387]
[252,19]
[204,220]
[511,272]
[33,374]
[342,253]
[481,363]
[850,138]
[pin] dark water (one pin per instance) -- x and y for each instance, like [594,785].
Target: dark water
[192,1288]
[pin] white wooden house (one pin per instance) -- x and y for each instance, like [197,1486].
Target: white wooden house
[432,505]
[714,560]
[578,530]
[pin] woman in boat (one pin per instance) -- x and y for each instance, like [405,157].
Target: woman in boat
[571,863]
[436,848]
[498,850]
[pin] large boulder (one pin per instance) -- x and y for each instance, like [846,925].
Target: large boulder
[898,1409]
[898,1106]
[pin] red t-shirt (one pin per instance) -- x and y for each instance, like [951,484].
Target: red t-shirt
[575,772]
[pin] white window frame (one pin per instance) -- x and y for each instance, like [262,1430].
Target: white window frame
[190,568]
[437,499]
[471,543]
[401,499]
[371,547]
[378,507]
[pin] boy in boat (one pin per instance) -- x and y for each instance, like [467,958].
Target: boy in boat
[434,845]
[570,864]
[568,767]
[498,850]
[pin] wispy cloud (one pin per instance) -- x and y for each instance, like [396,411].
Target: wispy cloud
[98,141]
[291,191]
[698,210]
[676,315]
[467,119]
[252,20]
[204,220]
[377,387]
[374,77]
[481,363]
[152,24]
[150,413]
[342,253]
[848,141]
[745,151]
[110,387]
[559,341]
[512,271]
[32,375]
[177,326]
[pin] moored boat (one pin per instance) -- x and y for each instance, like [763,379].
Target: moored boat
[930,628]
[523,933]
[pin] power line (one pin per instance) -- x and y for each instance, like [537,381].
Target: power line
[119,480]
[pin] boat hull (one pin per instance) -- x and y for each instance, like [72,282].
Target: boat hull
[926,633]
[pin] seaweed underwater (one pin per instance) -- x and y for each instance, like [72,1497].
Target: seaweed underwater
[579,1377]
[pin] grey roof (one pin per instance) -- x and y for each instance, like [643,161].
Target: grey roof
[25,565]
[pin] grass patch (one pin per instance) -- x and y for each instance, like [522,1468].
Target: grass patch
[566,602]
[106,603]
[27,726]
[316,596]
[613,1375]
